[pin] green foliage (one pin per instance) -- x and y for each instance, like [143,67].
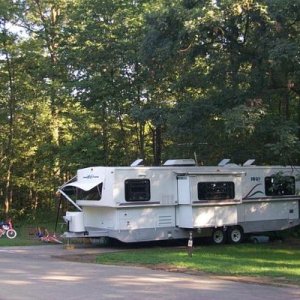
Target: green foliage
[103,82]
[286,145]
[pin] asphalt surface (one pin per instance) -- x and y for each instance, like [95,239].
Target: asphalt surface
[35,273]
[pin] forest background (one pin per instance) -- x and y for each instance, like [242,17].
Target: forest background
[103,82]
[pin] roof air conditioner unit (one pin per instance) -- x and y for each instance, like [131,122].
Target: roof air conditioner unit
[180,163]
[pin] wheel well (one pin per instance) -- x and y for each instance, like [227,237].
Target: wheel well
[237,226]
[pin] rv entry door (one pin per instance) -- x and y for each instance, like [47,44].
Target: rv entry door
[184,210]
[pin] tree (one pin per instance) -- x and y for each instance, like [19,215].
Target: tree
[230,54]
[105,69]
[106,81]
[9,101]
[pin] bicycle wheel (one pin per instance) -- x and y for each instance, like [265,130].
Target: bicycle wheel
[11,233]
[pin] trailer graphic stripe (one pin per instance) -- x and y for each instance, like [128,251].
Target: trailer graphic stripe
[249,195]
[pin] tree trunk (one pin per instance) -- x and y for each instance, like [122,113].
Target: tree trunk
[105,137]
[11,119]
[8,191]
[157,145]
[142,140]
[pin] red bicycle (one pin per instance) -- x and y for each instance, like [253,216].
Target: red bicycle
[6,228]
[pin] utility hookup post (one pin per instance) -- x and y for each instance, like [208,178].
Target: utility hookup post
[190,245]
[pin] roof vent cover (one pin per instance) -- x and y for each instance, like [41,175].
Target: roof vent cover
[223,162]
[249,162]
[137,162]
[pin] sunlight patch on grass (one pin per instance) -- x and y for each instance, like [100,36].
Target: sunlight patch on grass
[243,260]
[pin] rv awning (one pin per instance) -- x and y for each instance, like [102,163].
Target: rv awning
[85,185]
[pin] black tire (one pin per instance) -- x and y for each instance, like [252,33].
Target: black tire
[235,235]
[218,236]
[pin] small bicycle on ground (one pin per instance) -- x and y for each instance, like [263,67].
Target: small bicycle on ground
[6,228]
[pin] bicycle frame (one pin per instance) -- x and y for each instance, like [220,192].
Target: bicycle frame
[8,230]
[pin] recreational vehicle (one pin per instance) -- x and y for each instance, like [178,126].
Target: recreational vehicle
[139,203]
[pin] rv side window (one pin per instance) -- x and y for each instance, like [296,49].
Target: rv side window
[280,185]
[216,190]
[70,191]
[93,194]
[137,190]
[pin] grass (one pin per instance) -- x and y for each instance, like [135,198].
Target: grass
[22,239]
[26,235]
[278,261]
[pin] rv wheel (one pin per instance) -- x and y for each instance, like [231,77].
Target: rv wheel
[235,235]
[218,236]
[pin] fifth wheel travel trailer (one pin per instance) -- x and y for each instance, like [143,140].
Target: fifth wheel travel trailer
[139,203]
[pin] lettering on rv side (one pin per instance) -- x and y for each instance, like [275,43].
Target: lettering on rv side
[90,176]
[255,179]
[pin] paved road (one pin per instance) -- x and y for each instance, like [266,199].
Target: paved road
[28,273]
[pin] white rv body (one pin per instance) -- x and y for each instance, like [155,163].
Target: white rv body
[156,203]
